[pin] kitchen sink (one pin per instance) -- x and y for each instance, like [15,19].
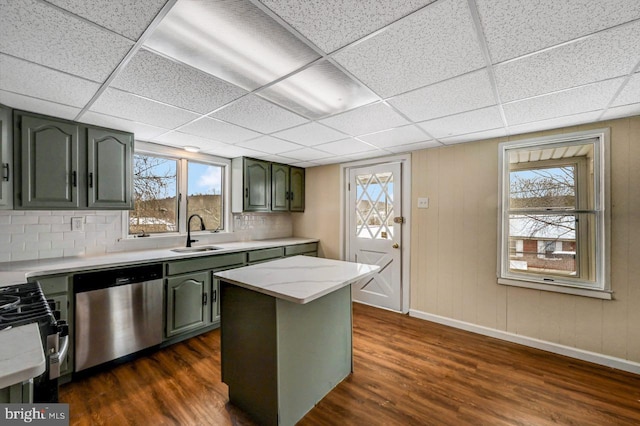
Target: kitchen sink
[195,249]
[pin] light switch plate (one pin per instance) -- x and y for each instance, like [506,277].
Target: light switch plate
[423,203]
[77,224]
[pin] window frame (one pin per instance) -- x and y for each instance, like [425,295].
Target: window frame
[601,288]
[183,157]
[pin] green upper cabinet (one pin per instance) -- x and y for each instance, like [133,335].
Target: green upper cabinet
[69,165]
[49,161]
[296,191]
[109,169]
[261,186]
[279,187]
[6,200]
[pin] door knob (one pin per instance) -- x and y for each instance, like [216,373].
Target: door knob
[395,245]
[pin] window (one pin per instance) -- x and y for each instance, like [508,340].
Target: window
[161,177]
[554,215]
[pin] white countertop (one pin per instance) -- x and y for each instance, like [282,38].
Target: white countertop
[19,272]
[298,279]
[21,354]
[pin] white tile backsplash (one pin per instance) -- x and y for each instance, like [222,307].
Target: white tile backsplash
[29,235]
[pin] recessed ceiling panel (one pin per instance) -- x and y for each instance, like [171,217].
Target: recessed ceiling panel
[269,145]
[630,93]
[394,137]
[219,130]
[141,131]
[132,107]
[467,122]
[515,28]
[257,114]
[608,54]
[431,45]
[464,93]
[310,134]
[345,146]
[232,39]
[331,24]
[44,83]
[569,102]
[167,81]
[40,106]
[319,91]
[126,17]
[47,36]
[367,119]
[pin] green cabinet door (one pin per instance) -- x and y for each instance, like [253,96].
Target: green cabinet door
[257,185]
[296,194]
[187,302]
[279,187]
[215,299]
[49,161]
[109,169]
[5,157]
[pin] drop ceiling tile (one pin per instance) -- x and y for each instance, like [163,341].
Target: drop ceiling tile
[307,154]
[232,151]
[44,83]
[132,107]
[180,139]
[345,146]
[622,111]
[602,56]
[413,147]
[276,158]
[464,93]
[310,134]
[330,160]
[367,119]
[569,102]
[365,155]
[126,17]
[555,123]
[45,35]
[630,93]
[305,164]
[40,106]
[208,127]
[319,91]
[431,45]
[476,136]
[514,28]
[164,80]
[269,145]
[232,39]
[394,137]
[259,115]
[331,24]
[466,122]
[141,131]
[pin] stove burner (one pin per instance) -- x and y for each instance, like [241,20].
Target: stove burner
[8,302]
[23,304]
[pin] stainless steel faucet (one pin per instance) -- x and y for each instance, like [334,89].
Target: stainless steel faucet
[202,228]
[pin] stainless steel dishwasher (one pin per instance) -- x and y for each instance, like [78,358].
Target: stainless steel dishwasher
[118,312]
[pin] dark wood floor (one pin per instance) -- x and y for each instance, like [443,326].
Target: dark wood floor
[406,372]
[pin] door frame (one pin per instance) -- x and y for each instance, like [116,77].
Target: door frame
[405,249]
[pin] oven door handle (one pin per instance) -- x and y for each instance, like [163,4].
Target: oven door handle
[58,358]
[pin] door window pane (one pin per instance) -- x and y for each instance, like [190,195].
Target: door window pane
[155,200]
[374,206]
[204,195]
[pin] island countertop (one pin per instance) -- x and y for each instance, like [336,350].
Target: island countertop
[298,279]
[21,355]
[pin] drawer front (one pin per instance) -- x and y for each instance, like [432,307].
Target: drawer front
[300,249]
[208,262]
[53,285]
[265,254]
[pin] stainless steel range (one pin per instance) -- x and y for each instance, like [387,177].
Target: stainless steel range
[23,304]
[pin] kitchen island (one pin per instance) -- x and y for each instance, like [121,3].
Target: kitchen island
[286,334]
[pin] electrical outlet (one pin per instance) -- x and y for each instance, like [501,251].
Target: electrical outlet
[423,203]
[77,224]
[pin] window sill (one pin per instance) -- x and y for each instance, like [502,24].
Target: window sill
[576,291]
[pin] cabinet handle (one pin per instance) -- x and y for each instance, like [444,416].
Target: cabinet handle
[214,298]
[74,178]
[291,195]
[204,299]
[90,180]
[246,193]
[5,175]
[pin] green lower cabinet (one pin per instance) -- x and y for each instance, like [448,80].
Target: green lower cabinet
[20,393]
[188,302]
[215,299]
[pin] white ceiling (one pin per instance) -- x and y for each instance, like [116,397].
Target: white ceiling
[419,73]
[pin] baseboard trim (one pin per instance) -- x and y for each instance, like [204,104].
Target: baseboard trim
[596,358]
